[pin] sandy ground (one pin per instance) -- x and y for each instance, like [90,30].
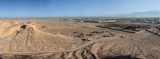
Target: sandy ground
[68,39]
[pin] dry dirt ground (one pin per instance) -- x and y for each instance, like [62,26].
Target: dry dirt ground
[68,39]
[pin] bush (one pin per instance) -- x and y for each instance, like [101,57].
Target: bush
[130,27]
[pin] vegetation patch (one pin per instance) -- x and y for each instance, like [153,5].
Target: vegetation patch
[122,27]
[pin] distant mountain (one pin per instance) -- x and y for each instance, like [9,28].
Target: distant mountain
[153,13]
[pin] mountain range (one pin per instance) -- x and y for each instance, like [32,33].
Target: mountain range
[152,13]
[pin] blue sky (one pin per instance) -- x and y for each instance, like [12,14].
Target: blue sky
[61,8]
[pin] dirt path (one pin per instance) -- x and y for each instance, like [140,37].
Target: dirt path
[80,47]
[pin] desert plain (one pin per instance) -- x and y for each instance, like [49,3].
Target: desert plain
[71,39]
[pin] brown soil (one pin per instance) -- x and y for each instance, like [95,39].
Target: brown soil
[60,40]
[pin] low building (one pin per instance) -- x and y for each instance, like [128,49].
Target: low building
[110,20]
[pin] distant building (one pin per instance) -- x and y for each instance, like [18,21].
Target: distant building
[107,21]
[111,21]
[158,19]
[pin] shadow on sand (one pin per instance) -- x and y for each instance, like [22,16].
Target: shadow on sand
[120,57]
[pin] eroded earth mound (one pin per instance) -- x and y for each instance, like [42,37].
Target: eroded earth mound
[26,37]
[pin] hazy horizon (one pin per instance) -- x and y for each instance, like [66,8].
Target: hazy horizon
[74,8]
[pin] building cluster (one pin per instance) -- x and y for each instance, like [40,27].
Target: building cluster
[152,20]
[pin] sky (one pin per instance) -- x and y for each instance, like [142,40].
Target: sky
[74,8]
